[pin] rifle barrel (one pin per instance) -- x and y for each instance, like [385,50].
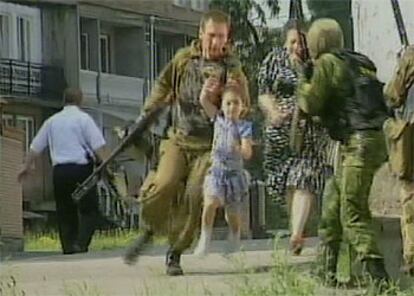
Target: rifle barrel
[138,128]
[400,22]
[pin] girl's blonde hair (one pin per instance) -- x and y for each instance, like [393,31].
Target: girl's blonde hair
[235,90]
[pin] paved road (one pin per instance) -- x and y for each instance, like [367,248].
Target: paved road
[103,273]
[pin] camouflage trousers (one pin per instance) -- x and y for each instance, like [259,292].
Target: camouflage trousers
[407,220]
[345,212]
[171,196]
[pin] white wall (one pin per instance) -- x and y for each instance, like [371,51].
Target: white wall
[376,34]
[12,11]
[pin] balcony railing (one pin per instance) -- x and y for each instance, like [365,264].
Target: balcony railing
[30,79]
[114,89]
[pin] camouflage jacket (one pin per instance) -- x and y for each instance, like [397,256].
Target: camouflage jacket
[331,94]
[179,86]
[400,90]
[328,88]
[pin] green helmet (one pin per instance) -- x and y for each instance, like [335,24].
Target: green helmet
[324,35]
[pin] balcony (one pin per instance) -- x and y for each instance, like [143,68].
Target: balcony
[114,89]
[28,79]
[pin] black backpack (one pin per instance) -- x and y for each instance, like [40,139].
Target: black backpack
[364,108]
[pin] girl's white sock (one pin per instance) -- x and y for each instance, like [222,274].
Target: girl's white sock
[233,241]
[204,241]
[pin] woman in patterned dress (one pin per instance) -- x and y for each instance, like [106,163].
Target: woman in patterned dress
[304,171]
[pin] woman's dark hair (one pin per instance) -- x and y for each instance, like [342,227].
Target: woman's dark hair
[292,24]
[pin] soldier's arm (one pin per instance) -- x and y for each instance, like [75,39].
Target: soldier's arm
[403,78]
[161,93]
[315,92]
[245,94]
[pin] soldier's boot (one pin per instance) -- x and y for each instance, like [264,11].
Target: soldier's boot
[173,263]
[135,250]
[375,267]
[327,261]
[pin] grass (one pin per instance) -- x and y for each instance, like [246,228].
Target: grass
[284,280]
[102,240]
[281,278]
[82,288]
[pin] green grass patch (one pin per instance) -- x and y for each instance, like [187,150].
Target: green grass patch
[287,279]
[102,240]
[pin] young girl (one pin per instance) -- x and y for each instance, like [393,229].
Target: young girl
[226,183]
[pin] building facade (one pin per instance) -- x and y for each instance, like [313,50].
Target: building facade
[112,50]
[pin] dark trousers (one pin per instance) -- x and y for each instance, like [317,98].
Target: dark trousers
[76,222]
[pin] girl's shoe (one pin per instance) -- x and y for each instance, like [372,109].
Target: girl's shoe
[296,245]
[233,243]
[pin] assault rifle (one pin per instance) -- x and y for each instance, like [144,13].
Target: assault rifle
[136,130]
[402,32]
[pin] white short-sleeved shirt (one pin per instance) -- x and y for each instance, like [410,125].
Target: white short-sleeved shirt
[70,135]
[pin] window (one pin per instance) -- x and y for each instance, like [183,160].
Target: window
[199,5]
[183,3]
[8,120]
[163,54]
[105,53]
[4,36]
[23,39]
[26,123]
[85,51]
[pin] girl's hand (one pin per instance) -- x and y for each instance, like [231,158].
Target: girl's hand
[237,147]
[212,89]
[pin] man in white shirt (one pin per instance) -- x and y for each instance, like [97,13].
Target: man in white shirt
[73,139]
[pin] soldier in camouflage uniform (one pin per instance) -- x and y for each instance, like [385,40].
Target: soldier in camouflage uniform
[171,197]
[400,95]
[345,214]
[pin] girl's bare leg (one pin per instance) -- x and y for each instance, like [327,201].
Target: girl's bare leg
[233,218]
[207,220]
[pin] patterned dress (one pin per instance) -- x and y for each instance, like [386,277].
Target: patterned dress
[226,178]
[308,169]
